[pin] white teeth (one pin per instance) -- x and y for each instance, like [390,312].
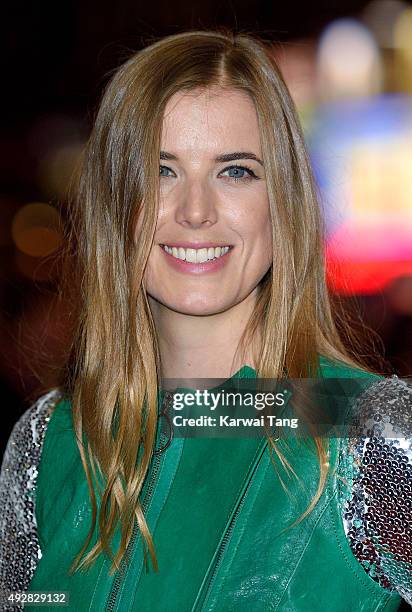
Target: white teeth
[191,255]
[196,255]
[201,256]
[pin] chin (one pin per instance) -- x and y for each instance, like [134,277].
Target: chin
[196,307]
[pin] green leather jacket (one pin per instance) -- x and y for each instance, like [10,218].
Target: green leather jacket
[216,510]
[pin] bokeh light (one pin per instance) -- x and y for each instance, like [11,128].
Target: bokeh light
[402,37]
[380,17]
[349,62]
[36,229]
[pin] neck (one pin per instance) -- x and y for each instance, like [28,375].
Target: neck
[202,346]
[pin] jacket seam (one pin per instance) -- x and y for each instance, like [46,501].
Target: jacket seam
[259,451]
[324,509]
[133,598]
[224,577]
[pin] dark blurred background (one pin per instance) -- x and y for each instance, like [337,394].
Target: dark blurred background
[349,67]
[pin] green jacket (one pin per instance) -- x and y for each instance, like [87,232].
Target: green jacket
[216,510]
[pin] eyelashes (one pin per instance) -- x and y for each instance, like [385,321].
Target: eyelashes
[249,177]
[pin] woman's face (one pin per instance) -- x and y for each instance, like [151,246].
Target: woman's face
[208,202]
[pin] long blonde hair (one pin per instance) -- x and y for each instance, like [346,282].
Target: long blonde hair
[115,363]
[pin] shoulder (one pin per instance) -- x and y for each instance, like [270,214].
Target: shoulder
[19,543]
[24,446]
[333,368]
[376,464]
[383,409]
[383,402]
[28,432]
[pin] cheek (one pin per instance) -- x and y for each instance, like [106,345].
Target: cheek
[268,239]
[257,223]
[151,281]
[151,268]
[266,247]
[262,236]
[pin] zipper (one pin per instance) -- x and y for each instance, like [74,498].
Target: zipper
[111,601]
[207,586]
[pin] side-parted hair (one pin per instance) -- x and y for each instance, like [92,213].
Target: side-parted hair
[115,364]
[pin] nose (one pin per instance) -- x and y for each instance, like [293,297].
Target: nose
[196,205]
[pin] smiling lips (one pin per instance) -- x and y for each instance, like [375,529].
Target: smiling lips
[196,255]
[205,259]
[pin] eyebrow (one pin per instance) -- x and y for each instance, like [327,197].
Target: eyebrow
[224,157]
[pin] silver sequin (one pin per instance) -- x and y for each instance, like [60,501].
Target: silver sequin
[19,546]
[375,484]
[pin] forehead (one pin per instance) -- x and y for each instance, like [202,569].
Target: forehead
[211,119]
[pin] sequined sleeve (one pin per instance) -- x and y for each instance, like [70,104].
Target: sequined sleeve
[19,545]
[375,489]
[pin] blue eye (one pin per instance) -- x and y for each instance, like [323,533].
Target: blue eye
[237,170]
[163,168]
[240,170]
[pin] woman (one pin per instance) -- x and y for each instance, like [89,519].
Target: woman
[211,268]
